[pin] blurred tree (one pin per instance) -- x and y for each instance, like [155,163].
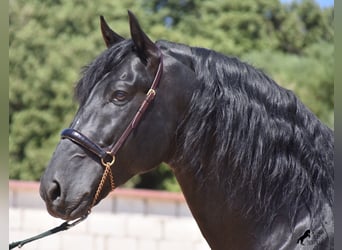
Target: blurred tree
[226,26]
[50,41]
[236,27]
[305,24]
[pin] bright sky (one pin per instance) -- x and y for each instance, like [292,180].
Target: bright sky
[322,3]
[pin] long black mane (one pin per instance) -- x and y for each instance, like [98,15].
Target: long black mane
[260,142]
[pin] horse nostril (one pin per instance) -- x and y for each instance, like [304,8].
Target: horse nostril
[54,191]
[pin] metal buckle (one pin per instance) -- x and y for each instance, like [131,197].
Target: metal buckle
[111,162]
[151,92]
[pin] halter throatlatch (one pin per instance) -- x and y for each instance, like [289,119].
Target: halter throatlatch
[107,158]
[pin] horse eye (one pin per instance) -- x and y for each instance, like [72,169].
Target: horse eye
[120,95]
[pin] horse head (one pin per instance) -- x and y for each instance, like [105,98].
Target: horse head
[110,93]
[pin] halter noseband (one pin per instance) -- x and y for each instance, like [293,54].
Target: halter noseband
[108,157]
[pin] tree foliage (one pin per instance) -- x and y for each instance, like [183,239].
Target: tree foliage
[50,42]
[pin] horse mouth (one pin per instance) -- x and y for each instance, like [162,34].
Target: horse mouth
[69,212]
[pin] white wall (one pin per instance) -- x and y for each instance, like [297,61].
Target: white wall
[125,220]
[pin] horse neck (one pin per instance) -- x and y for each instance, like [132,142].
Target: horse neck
[220,223]
[224,225]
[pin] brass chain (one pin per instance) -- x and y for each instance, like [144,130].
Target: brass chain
[107,171]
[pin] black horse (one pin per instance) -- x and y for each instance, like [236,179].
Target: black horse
[255,165]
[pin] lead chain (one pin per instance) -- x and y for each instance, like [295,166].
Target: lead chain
[102,182]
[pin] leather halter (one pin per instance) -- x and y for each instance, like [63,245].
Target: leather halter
[108,157]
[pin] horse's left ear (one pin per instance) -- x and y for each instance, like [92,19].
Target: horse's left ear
[146,49]
[109,36]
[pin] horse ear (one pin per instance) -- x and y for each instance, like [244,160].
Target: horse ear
[109,36]
[146,49]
